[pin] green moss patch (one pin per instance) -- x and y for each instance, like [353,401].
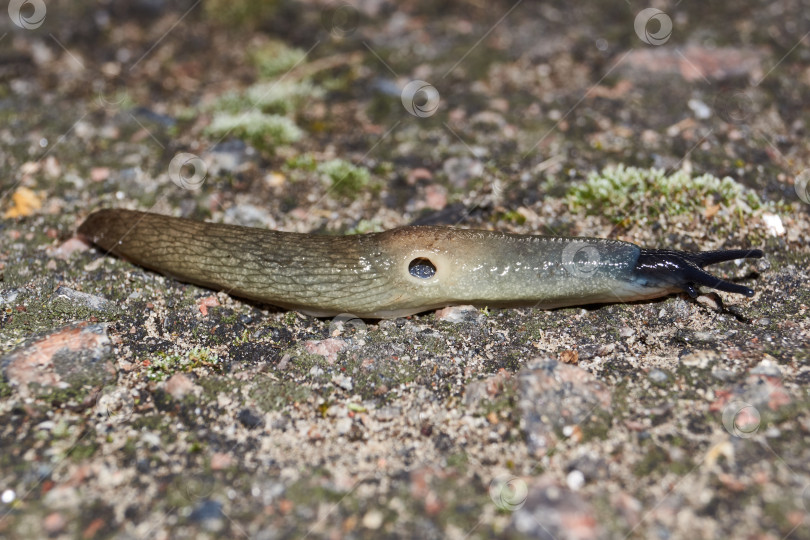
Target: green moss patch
[165,365]
[632,193]
[343,177]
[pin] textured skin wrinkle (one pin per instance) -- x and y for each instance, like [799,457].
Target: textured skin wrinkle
[367,275]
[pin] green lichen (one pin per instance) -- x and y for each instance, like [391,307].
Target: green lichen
[6,389]
[276,58]
[166,365]
[272,394]
[657,461]
[280,97]
[504,404]
[302,162]
[84,450]
[214,385]
[632,193]
[366,226]
[243,338]
[263,131]
[241,14]
[262,115]
[512,216]
[344,178]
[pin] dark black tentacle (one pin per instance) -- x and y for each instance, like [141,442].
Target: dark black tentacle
[684,270]
[705,258]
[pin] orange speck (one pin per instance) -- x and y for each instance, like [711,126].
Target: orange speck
[99,174]
[285,506]
[207,302]
[93,528]
[24,203]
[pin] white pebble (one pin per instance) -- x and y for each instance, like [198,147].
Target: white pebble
[773,224]
[373,519]
[575,480]
[8,496]
[701,110]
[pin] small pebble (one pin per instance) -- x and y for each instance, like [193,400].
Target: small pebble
[722,374]
[575,480]
[657,376]
[220,461]
[701,110]
[373,519]
[209,513]
[457,314]
[54,523]
[250,418]
[773,432]
[343,381]
[328,348]
[179,385]
[315,371]
[711,301]
[386,414]
[768,368]
[343,425]
[700,359]
[69,247]
[9,296]
[89,301]
[773,224]
[8,496]
[99,174]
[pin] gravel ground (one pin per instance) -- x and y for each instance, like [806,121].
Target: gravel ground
[136,406]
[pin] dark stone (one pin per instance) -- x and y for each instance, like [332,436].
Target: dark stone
[250,418]
[206,510]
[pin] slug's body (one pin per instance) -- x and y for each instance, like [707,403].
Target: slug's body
[405,270]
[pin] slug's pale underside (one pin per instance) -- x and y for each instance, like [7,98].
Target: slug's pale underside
[405,270]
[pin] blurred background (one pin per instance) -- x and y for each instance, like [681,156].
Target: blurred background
[299,105]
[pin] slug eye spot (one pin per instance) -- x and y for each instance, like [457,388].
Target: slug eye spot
[422,268]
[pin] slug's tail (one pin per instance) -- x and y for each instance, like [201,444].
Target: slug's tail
[684,270]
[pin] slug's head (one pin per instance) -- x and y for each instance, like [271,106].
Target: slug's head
[683,270]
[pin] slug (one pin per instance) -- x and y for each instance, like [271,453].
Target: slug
[405,270]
